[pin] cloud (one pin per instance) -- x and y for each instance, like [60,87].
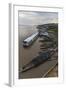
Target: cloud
[35,18]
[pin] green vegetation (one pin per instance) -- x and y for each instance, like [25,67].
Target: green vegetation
[52,30]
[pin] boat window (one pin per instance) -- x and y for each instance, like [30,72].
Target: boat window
[24,41]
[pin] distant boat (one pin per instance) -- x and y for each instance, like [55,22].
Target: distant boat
[44,34]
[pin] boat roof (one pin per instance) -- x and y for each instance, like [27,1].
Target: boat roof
[31,37]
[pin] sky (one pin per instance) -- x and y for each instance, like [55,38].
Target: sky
[37,18]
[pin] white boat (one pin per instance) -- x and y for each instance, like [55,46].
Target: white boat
[29,40]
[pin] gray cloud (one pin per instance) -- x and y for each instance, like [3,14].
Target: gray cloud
[35,18]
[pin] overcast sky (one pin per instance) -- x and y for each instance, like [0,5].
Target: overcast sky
[35,18]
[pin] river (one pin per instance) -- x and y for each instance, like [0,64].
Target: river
[27,54]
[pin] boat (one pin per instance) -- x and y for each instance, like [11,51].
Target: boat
[28,41]
[38,60]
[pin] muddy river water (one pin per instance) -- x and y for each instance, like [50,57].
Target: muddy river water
[27,54]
